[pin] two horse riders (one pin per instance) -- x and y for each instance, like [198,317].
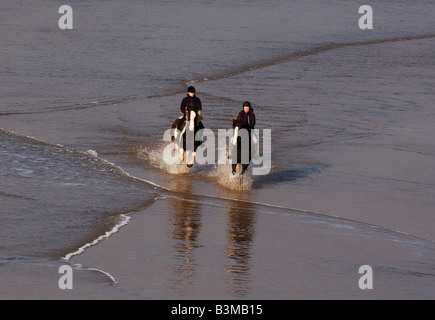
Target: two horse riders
[245,120]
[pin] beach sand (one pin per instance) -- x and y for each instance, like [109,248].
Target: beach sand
[178,249]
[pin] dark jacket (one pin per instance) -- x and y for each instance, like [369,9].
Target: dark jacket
[246,120]
[194,103]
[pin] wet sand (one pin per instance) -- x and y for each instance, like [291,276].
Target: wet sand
[179,249]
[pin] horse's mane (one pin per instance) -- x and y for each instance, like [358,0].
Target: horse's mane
[196,110]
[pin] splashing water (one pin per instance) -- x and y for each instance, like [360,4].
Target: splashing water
[221,173]
[225,178]
[155,158]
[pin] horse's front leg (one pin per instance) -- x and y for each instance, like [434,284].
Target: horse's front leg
[192,160]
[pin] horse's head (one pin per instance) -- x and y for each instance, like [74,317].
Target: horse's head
[192,116]
[191,119]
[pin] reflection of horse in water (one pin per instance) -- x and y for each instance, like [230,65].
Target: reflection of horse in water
[241,234]
[185,130]
[185,225]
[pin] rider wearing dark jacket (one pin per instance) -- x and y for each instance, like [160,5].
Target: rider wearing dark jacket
[190,101]
[246,120]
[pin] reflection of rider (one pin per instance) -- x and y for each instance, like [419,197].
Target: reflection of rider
[245,120]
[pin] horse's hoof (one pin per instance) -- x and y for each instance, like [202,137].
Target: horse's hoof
[189,165]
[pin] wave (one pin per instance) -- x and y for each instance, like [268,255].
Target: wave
[290,57]
[68,189]
[297,55]
[124,221]
[89,153]
[72,107]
